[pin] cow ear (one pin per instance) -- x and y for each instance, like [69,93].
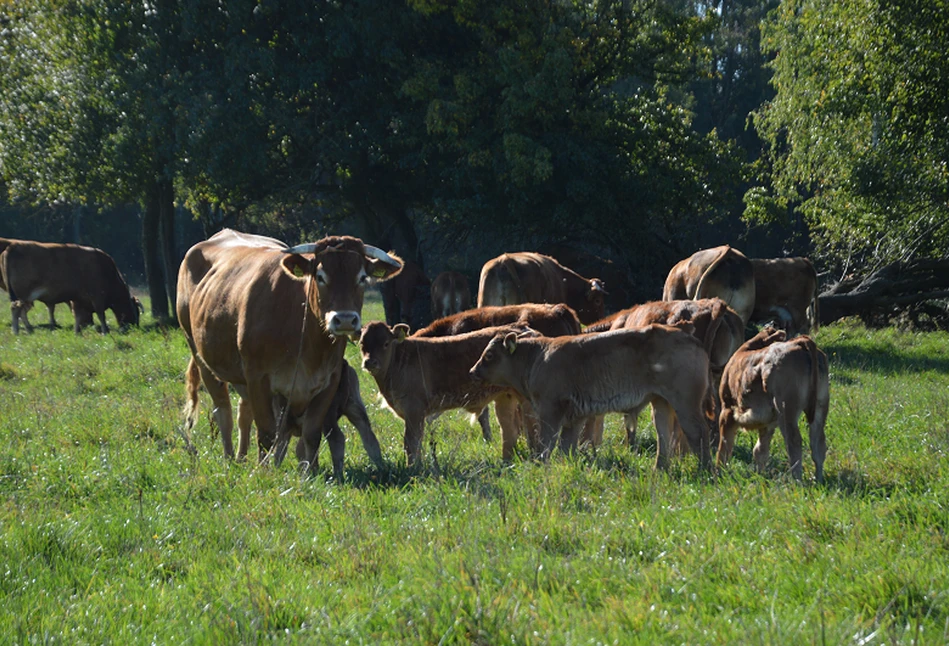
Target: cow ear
[510,342]
[401,330]
[381,265]
[297,265]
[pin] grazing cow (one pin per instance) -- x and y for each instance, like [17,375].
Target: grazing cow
[549,320]
[786,293]
[715,324]
[721,271]
[399,294]
[450,294]
[421,376]
[569,379]
[768,383]
[529,277]
[272,321]
[58,273]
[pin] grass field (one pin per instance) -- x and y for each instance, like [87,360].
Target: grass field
[111,532]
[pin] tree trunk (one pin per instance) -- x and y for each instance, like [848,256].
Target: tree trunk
[151,248]
[169,253]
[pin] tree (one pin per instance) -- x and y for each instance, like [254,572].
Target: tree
[856,132]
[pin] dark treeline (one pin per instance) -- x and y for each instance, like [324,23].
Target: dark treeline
[451,130]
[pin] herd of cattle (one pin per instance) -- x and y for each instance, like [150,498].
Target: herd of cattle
[272,322]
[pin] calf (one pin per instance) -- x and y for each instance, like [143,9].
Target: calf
[568,379]
[768,383]
[420,377]
[721,271]
[549,320]
[786,292]
[714,323]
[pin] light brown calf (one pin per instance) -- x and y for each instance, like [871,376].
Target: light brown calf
[569,379]
[767,384]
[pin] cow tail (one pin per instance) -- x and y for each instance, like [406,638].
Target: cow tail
[5,272]
[813,312]
[192,383]
[708,272]
[708,402]
[815,378]
[717,317]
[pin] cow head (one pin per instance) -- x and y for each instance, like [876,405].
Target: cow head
[594,305]
[127,311]
[377,343]
[495,365]
[341,267]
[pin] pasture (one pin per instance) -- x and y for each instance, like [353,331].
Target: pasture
[112,532]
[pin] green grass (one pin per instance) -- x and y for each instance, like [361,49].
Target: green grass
[112,532]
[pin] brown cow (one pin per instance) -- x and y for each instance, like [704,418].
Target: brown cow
[786,293]
[273,322]
[58,273]
[569,379]
[528,277]
[399,294]
[421,376]
[721,271]
[715,324]
[450,294]
[4,243]
[768,383]
[549,320]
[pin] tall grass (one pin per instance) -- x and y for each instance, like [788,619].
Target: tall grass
[112,532]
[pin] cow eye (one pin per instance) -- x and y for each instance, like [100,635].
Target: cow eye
[386,344]
[489,356]
[321,277]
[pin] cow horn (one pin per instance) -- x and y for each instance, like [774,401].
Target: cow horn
[379,254]
[306,247]
[599,286]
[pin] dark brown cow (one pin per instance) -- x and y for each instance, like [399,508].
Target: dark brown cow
[786,293]
[528,277]
[400,294]
[570,379]
[715,324]
[58,273]
[721,271]
[273,322]
[450,294]
[767,384]
[549,320]
[421,376]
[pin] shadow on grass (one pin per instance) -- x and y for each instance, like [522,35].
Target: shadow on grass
[880,359]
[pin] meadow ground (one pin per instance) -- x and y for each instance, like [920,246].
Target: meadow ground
[112,532]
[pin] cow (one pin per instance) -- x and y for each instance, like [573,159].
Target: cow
[423,376]
[569,379]
[347,402]
[786,293]
[528,277]
[549,320]
[720,271]
[58,273]
[4,243]
[716,325]
[272,321]
[450,294]
[767,384]
[399,295]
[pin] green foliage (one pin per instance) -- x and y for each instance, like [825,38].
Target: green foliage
[113,532]
[854,128]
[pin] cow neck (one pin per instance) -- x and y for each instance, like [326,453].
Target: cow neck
[528,357]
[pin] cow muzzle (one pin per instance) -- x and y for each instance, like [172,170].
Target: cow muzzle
[475,375]
[344,323]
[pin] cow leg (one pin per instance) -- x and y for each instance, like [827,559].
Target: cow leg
[693,424]
[592,433]
[101,315]
[305,461]
[762,450]
[412,442]
[337,441]
[18,310]
[355,411]
[551,421]
[223,415]
[313,425]
[261,402]
[790,429]
[245,418]
[664,419]
[570,435]
[484,419]
[727,429]
[505,407]
[631,422]
[52,316]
